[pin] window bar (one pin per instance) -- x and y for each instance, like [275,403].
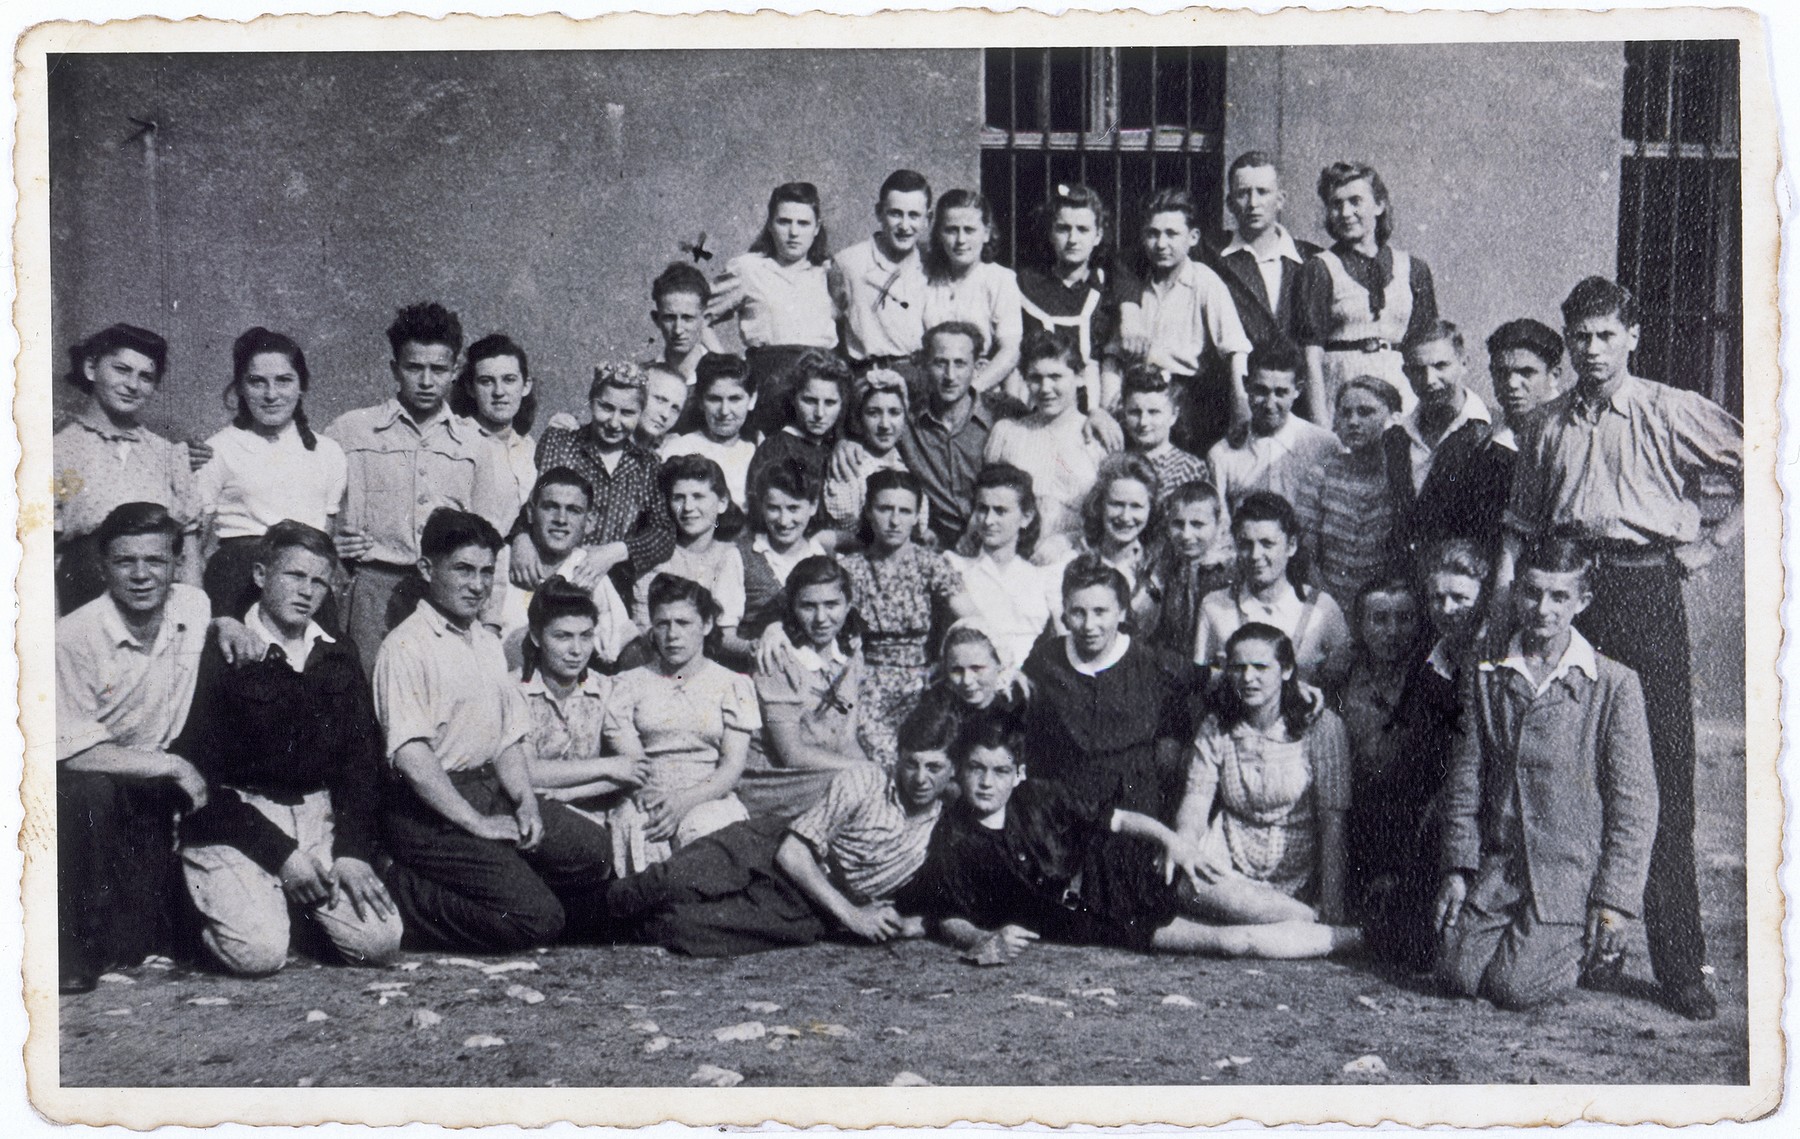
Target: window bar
[1187,119]
[1641,162]
[1677,91]
[1112,117]
[1012,149]
[1087,115]
[1155,80]
[1717,313]
[1049,124]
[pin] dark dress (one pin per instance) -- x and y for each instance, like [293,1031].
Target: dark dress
[1097,735]
[1055,868]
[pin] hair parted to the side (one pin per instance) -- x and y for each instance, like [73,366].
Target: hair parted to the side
[976,338]
[449,530]
[247,347]
[797,194]
[881,482]
[700,469]
[1172,200]
[1278,355]
[489,347]
[1074,196]
[668,589]
[1458,557]
[680,277]
[132,519]
[1051,344]
[1341,174]
[1196,492]
[563,476]
[1005,476]
[720,367]
[932,726]
[288,534]
[1598,297]
[1089,570]
[988,729]
[811,572]
[1384,393]
[1432,333]
[1561,549]
[791,477]
[904,182]
[818,364]
[1266,506]
[426,322]
[1251,160]
[1298,711]
[937,266]
[1533,336]
[110,339]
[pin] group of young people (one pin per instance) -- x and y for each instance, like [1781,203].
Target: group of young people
[1210,611]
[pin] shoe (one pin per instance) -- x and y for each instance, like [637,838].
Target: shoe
[1604,974]
[1693,1000]
[76,980]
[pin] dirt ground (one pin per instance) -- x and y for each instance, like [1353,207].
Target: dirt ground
[849,1015]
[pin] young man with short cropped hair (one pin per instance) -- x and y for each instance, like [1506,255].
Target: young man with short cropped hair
[1261,264]
[1277,449]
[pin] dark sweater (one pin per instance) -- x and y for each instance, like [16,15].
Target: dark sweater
[261,727]
[1464,496]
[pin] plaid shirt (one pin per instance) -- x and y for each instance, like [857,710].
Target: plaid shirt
[628,505]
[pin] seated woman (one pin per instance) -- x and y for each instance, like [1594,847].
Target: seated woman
[1014,861]
[768,883]
[1268,786]
[1109,715]
[898,587]
[784,501]
[811,697]
[1017,599]
[1391,849]
[568,702]
[699,504]
[975,675]
[686,721]
[1267,537]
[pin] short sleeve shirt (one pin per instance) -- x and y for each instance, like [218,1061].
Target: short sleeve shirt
[566,727]
[779,304]
[720,570]
[870,844]
[1279,463]
[883,301]
[987,297]
[679,723]
[252,481]
[1190,318]
[449,689]
[113,688]
[99,467]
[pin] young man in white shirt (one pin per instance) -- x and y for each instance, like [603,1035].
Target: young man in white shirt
[1277,449]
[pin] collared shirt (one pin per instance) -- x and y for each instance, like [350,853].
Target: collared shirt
[776,303]
[733,458]
[1505,436]
[1113,655]
[449,689]
[628,505]
[1619,469]
[1578,655]
[1063,464]
[947,461]
[1190,318]
[783,563]
[252,481]
[99,467]
[1268,265]
[1424,453]
[1321,638]
[883,301]
[859,829]
[1280,463]
[398,473]
[113,688]
[295,655]
[986,297]
[512,471]
[566,727]
[1440,660]
[1017,601]
[720,571]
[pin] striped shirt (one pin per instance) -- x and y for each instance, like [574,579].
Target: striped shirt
[1346,517]
[870,845]
[628,505]
[1175,467]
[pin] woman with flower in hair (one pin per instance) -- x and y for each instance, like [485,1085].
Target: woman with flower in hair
[1079,287]
[877,420]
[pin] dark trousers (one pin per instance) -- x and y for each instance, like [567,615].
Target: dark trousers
[458,891]
[118,878]
[1639,619]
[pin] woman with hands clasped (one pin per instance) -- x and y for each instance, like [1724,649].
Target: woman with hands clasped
[1270,868]
[686,722]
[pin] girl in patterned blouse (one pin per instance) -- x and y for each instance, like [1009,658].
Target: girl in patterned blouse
[896,585]
[686,722]
[1274,763]
[1346,509]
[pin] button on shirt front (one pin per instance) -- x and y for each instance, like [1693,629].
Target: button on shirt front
[449,689]
[399,473]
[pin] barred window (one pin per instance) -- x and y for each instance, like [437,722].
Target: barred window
[1680,214]
[1125,121]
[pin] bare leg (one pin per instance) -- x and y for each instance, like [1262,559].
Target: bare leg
[1237,900]
[1280,940]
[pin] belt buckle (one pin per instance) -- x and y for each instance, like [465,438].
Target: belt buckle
[1374,344]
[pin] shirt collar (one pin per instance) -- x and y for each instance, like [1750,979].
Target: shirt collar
[813,660]
[588,685]
[807,547]
[119,634]
[1472,410]
[438,623]
[393,411]
[1579,656]
[253,621]
[1504,436]
[91,419]
[1285,249]
[1121,644]
[1439,660]
[1619,401]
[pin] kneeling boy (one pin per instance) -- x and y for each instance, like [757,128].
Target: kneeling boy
[289,747]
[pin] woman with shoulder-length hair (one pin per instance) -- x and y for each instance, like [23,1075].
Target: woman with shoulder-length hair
[495,390]
[1360,300]
[105,457]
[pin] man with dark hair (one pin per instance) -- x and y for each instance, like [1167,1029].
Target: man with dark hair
[289,746]
[1261,264]
[480,861]
[1624,462]
[1550,801]
[1276,451]
[126,664]
[1436,452]
[879,284]
[407,457]
[678,299]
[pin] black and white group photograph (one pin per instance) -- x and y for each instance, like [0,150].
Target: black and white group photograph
[1175,562]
